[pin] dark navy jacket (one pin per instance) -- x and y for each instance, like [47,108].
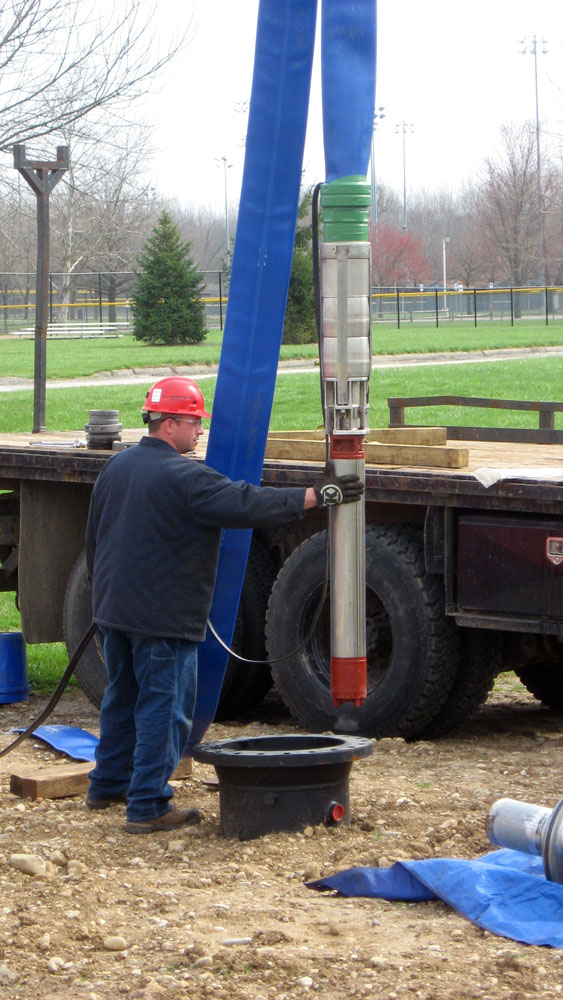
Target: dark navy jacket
[153,533]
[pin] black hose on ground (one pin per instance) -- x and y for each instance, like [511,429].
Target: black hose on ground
[55,697]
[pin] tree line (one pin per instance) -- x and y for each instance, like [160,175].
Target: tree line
[504,228]
[72,75]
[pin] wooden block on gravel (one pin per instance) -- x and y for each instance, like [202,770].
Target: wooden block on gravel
[63,780]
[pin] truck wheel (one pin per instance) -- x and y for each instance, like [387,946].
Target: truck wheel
[480,662]
[77,618]
[412,648]
[245,684]
[544,679]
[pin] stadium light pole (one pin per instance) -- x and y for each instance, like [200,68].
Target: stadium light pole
[379,114]
[445,241]
[226,166]
[531,45]
[405,128]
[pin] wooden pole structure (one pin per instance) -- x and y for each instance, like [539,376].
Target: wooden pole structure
[42,176]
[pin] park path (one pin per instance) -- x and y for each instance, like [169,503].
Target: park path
[140,376]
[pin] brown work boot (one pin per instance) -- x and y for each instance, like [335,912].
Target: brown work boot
[171,820]
[104,803]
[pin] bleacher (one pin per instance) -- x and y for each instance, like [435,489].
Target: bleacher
[78,330]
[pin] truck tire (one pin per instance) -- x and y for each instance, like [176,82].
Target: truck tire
[544,679]
[480,662]
[77,617]
[244,685]
[412,647]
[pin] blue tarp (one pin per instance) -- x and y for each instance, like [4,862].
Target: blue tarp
[76,743]
[504,892]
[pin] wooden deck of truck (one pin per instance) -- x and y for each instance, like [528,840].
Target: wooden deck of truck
[464,557]
[417,465]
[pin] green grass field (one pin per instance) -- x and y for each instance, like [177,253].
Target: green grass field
[74,358]
[45,661]
[297,398]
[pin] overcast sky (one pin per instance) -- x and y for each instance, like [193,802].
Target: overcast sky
[451,70]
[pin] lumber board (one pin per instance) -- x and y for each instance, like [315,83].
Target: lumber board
[292,450]
[61,781]
[409,435]
[317,435]
[387,435]
[419,455]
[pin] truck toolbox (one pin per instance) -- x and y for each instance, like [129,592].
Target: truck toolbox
[510,566]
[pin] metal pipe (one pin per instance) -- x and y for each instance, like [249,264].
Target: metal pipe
[345,372]
[445,241]
[531,829]
[42,176]
[41,301]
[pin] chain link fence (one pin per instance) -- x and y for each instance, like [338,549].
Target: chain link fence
[91,303]
[98,303]
[438,306]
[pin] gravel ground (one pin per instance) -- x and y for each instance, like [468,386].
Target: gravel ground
[194,914]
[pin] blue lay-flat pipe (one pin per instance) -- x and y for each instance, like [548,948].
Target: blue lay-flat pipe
[264,247]
[257,296]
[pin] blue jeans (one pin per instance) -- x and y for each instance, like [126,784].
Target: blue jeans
[145,719]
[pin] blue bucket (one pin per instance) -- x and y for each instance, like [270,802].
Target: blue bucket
[13,668]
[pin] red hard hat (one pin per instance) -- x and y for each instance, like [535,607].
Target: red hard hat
[175,394]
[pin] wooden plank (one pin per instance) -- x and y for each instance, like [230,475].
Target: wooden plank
[419,456]
[429,456]
[51,782]
[63,780]
[409,435]
[285,449]
[387,435]
[317,435]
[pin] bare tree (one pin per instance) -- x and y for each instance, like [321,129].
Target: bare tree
[204,230]
[17,250]
[9,257]
[432,216]
[102,213]
[508,206]
[125,208]
[388,207]
[62,60]
[552,185]
[69,229]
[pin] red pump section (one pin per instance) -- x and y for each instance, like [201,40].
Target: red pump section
[348,674]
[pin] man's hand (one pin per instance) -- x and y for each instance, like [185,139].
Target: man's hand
[331,490]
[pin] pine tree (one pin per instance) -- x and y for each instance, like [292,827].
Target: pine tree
[300,323]
[168,308]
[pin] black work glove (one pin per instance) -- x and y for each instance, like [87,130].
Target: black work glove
[331,490]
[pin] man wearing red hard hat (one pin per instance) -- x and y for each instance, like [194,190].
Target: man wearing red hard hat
[152,547]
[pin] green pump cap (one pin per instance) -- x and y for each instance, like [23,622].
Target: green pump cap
[346,205]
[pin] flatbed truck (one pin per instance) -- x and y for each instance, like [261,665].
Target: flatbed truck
[464,571]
